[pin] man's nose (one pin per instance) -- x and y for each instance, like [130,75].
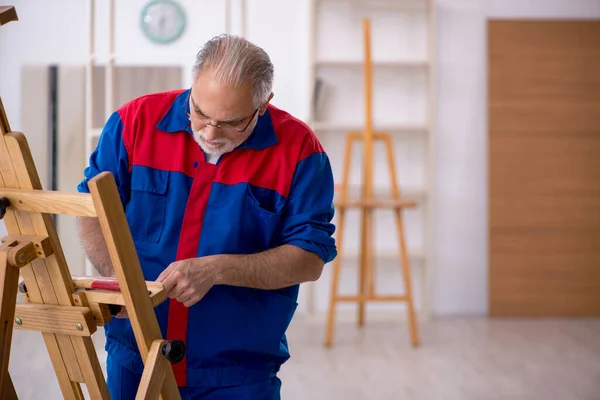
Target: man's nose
[211,133]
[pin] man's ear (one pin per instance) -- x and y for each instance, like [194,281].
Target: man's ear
[263,108]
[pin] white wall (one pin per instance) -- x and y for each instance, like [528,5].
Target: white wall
[460,280]
[460,276]
[46,34]
[559,9]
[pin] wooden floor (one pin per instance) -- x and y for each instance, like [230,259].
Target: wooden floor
[461,358]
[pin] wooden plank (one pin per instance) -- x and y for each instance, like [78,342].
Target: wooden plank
[7,392]
[154,373]
[544,163]
[52,273]
[109,283]
[17,170]
[49,201]
[8,14]
[9,277]
[40,243]
[41,224]
[101,312]
[67,320]
[90,366]
[105,290]
[111,297]
[336,267]
[128,270]
[19,253]
[7,174]
[404,260]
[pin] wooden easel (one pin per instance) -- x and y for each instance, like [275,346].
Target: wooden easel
[66,309]
[367,203]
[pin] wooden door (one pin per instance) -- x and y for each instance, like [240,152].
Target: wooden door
[544,167]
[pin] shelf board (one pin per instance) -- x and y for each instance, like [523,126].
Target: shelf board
[381,4]
[323,126]
[384,192]
[384,255]
[378,203]
[375,63]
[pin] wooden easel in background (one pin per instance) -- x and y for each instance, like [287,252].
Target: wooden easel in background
[66,309]
[367,203]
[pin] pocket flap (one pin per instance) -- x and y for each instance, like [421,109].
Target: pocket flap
[147,179]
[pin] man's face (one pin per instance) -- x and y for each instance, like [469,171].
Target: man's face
[212,104]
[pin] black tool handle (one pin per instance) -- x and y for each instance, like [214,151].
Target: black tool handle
[174,350]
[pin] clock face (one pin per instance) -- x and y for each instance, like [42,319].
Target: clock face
[163,21]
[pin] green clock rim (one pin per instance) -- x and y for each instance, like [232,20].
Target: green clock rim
[171,38]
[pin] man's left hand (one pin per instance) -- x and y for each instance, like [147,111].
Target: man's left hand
[189,280]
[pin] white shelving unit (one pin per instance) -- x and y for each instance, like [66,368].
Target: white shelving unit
[404,91]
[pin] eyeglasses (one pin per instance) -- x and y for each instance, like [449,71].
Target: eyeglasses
[225,127]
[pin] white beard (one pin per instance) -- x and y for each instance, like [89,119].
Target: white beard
[223,145]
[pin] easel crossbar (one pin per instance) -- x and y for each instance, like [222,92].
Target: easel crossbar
[379,298]
[50,202]
[67,320]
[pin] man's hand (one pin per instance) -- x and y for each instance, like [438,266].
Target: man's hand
[189,280]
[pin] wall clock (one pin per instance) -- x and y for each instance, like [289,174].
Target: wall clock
[162,21]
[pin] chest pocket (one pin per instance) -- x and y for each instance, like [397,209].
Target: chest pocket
[146,210]
[262,216]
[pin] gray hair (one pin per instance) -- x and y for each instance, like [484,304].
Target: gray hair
[235,60]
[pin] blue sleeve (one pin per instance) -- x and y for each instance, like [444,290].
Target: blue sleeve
[309,209]
[110,155]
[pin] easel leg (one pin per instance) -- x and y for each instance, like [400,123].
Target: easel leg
[154,373]
[364,261]
[70,390]
[405,266]
[9,280]
[7,392]
[370,284]
[18,170]
[129,272]
[336,271]
[335,279]
[412,320]
[90,367]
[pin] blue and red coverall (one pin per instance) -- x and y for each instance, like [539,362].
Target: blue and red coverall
[274,189]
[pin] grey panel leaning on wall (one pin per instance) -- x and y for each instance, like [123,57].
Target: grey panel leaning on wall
[35,110]
[68,159]
[131,82]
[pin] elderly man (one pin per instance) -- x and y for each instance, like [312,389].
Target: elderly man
[229,203]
